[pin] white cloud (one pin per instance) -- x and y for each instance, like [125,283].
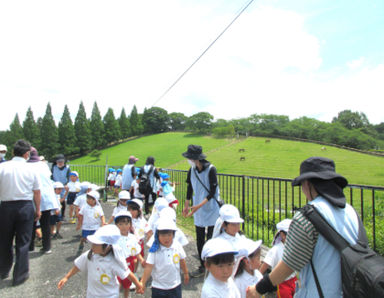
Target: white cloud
[125,53]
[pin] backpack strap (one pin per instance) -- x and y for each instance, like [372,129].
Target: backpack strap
[321,295]
[323,227]
[220,203]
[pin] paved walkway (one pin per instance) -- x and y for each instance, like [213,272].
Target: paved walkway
[47,270]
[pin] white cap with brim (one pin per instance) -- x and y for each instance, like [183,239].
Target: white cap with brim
[284,225]
[108,234]
[58,184]
[3,147]
[217,246]
[248,246]
[85,185]
[94,194]
[94,187]
[137,202]
[166,224]
[230,213]
[124,195]
[123,213]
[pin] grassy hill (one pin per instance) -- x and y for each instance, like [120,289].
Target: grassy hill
[277,158]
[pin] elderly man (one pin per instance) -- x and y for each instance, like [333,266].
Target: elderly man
[306,250]
[19,188]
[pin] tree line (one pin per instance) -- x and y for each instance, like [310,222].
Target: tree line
[79,137]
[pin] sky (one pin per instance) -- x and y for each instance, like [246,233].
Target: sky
[312,58]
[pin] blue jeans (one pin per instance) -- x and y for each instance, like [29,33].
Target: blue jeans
[172,293]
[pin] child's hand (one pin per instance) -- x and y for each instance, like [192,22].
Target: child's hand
[61,283]
[140,289]
[186,278]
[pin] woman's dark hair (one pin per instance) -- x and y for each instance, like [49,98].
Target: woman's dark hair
[150,160]
[21,147]
[123,219]
[134,206]
[241,267]
[104,246]
[221,259]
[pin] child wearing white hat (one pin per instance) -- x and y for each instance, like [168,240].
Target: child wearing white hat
[124,196]
[138,221]
[159,205]
[219,257]
[246,271]
[74,188]
[165,259]
[275,254]
[91,217]
[170,213]
[102,264]
[129,245]
[81,199]
[55,219]
[227,226]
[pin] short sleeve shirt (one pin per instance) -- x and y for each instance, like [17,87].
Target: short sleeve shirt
[213,288]
[166,266]
[91,217]
[244,280]
[140,225]
[102,273]
[129,245]
[275,255]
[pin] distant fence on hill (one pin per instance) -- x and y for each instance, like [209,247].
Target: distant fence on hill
[264,201]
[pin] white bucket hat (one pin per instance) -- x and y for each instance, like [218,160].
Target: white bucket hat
[122,213]
[124,195]
[230,213]
[94,194]
[108,234]
[137,202]
[58,184]
[166,224]
[282,226]
[217,246]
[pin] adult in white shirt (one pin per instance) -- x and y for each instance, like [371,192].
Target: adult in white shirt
[19,188]
[48,201]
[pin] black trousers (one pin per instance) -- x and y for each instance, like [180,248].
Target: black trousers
[45,231]
[147,204]
[201,238]
[16,220]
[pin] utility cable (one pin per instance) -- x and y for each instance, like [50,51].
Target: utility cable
[203,53]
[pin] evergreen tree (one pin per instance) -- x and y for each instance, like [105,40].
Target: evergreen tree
[67,136]
[82,130]
[31,130]
[49,135]
[112,131]
[97,126]
[134,121]
[15,132]
[124,123]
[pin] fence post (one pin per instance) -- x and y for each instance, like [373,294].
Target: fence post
[243,201]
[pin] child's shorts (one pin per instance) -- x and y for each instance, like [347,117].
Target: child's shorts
[53,219]
[71,197]
[141,242]
[85,233]
[175,292]
[111,182]
[126,283]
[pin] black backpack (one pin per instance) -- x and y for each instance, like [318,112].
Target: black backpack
[145,184]
[362,269]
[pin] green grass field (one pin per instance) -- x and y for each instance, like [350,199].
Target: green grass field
[277,158]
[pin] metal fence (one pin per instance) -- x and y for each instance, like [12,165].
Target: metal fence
[264,201]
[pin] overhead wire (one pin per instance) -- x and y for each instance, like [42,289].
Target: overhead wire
[203,53]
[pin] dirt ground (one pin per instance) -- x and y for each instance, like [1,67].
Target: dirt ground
[47,270]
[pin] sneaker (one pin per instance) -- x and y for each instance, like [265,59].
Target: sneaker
[46,252]
[73,221]
[199,272]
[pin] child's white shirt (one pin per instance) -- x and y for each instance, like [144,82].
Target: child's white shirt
[245,279]
[130,245]
[117,209]
[102,272]
[91,217]
[136,192]
[274,255]
[166,266]
[73,186]
[111,176]
[235,241]
[118,180]
[81,200]
[213,288]
[57,197]
[140,226]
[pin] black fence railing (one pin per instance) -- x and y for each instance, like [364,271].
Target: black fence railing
[264,201]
